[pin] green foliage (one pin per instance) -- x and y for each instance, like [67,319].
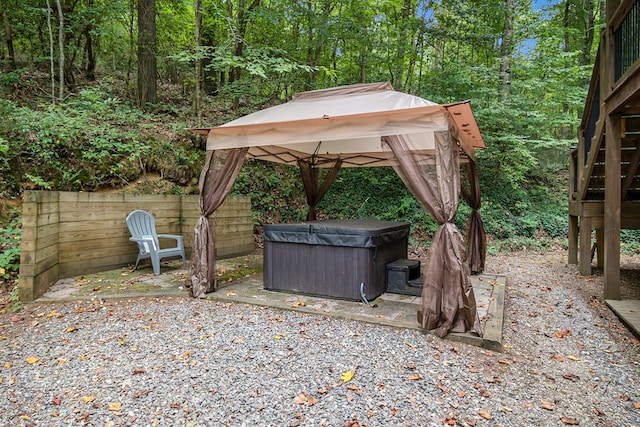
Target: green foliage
[10,249]
[630,241]
[275,190]
[14,297]
[90,141]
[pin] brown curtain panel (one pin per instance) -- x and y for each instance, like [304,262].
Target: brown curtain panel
[310,174]
[476,237]
[448,302]
[220,170]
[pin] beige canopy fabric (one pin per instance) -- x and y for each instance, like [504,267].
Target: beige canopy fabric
[373,125]
[347,124]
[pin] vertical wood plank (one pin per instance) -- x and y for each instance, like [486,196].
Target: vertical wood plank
[600,247]
[573,239]
[612,206]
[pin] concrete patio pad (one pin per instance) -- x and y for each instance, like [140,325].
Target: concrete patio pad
[240,281]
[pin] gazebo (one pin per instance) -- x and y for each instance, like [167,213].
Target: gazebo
[365,125]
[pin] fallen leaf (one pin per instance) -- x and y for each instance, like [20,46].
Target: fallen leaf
[449,421]
[569,421]
[563,333]
[570,377]
[298,303]
[461,393]
[300,399]
[312,401]
[470,422]
[89,398]
[17,319]
[636,405]
[7,365]
[393,411]
[411,366]
[31,360]
[139,371]
[115,406]
[575,359]
[56,400]
[549,406]
[141,393]
[72,328]
[238,340]
[414,377]
[484,414]
[472,369]
[347,376]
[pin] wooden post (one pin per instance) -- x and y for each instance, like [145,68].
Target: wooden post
[585,245]
[573,239]
[612,205]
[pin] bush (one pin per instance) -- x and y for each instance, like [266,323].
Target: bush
[10,236]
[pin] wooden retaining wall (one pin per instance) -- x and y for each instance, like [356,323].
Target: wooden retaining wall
[67,234]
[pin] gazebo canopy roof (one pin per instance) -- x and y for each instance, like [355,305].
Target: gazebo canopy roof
[346,123]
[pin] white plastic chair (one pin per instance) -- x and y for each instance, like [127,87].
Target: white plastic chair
[142,227]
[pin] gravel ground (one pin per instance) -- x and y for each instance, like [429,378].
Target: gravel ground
[187,362]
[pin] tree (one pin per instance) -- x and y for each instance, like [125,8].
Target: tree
[8,35]
[147,64]
[199,71]
[60,48]
[506,48]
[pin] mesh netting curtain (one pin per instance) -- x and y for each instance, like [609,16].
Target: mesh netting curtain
[220,170]
[476,237]
[314,194]
[448,302]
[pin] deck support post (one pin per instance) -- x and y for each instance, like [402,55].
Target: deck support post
[612,207]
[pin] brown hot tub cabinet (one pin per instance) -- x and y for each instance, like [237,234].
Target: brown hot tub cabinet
[332,258]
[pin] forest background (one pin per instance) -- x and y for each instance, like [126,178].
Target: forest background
[99,95]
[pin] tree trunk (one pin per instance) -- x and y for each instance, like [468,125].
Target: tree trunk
[506,49]
[197,104]
[147,65]
[61,47]
[51,61]
[8,36]
[132,14]
[402,44]
[241,26]
[565,26]
[90,71]
[211,78]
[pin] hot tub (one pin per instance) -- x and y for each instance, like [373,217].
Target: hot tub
[337,258]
